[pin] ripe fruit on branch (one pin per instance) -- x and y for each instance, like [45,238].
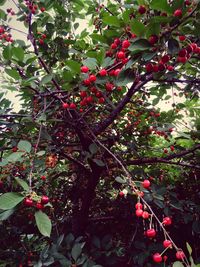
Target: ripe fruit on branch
[182,38]
[43,177]
[153,39]
[121,55]
[65,105]
[138,205]
[84,69]
[151,233]
[157,258]
[28,202]
[145,215]
[167,243]
[116,72]
[149,67]
[146,183]
[92,78]
[103,72]
[180,255]
[165,58]
[44,199]
[125,44]
[72,106]
[139,212]
[39,206]
[167,221]
[178,13]
[142,9]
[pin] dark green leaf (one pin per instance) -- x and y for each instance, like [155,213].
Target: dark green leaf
[125,77]
[46,79]
[120,180]
[178,264]
[76,251]
[140,45]
[6,214]
[161,5]
[173,46]
[16,156]
[73,66]
[18,52]
[99,162]
[7,52]
[91,63]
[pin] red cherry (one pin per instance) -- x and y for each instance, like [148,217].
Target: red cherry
[28,202]
[139,212]
[189,48]
[182,59]
[86,82]
[113,46]
[146,183]
[165,258]
[44,36]
[165,150]
[103,72]
[109,86]
[1,183]
[116,72]
[170,68]
[39,206]
[182,53]
[165,58]
[178,13]
[92,78]
[43,177]
[151,233]
[167,243]
[44,200]
[125,44]
[142,9]
[2,30]
[182,38]
[83,94]
[180,255]
[194,46]
[117,41]
[153,39]
[145,215]
[42,9]
[101,100]
[93,89]
[14,149]
[157,258]
[119,88]
[41,42]
[89,99]
[138,206]
[72,106]
[121,55]
[155,68]
[172,148]
[65,105]
[121,194]
[167,221]
[84,69]
[149,67]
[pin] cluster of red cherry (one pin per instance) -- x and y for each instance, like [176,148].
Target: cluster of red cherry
[5,36]
[29,202]
[33,7]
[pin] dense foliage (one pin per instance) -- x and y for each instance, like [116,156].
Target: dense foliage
[101,163]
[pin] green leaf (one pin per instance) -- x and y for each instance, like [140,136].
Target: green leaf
[173,46]
[99,162]
[111,21]
[13,73]
[93,148]
[91,63]
[139,45]
[2,2]
[125,77]
[2,15]
[137,27]
[6,214]
[178,264]
[18,52]
[120,180]
[23,184]
[161,5]
[189,248]
[76,251]
[43,223]
[73,66]
[98,37]
[46,79]
[24,146]
[10,200]
[16,156]
[7,52]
